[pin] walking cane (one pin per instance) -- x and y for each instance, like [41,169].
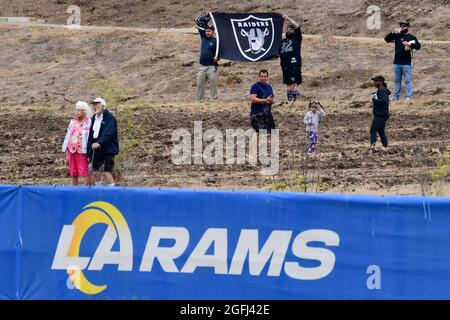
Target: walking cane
[92,166]
[92,161]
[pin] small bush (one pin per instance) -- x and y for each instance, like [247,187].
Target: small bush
[438,175]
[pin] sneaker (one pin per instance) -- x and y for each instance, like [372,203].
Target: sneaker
[394,99]
[408,99]
[289,96]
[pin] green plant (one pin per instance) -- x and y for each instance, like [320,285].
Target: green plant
[44,111]
[223,72]
[299,183]
[235,79]
[347,186]
[131,135]
[438,175]
[296,183]
[278,186]
[111,92]
[323,187]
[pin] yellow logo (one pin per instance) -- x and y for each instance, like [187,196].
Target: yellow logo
[67,256]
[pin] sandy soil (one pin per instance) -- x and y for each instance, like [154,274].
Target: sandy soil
[52,66]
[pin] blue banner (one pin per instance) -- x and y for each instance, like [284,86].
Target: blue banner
[9,236]
[129,243]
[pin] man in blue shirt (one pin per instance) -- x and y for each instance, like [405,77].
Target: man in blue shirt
[208,60]
[404,45]
[261,97]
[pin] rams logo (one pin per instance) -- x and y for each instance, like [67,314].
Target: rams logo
[67,255]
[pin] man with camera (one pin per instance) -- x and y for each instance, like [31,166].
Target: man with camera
[404,45]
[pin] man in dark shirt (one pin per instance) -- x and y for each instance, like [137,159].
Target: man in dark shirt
[261,97]
[103,143]
[404,44]
[290,58]
[208,60]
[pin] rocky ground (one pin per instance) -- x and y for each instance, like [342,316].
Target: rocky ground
[31,139]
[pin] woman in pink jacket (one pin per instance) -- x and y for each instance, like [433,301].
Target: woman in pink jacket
[75,143]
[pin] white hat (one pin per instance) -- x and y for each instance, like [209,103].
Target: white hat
[100,100]
[84,106]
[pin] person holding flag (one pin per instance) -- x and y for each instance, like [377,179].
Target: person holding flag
[290,58]
[208,60]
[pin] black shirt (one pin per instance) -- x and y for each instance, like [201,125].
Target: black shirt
[403,56]
[290,49]
[381,102]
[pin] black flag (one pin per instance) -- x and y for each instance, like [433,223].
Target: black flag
[248,36]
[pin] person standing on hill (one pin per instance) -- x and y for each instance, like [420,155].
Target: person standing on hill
[290,58]
[103,142]
[76,141]
[381,113]
[312,122]
[208,61]
[262,98]
[404,45]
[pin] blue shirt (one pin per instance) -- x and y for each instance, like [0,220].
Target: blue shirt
[208,50]
[262,91]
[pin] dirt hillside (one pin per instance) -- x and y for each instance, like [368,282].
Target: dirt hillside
[341,17]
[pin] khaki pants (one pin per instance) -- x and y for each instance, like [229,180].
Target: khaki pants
[209,72]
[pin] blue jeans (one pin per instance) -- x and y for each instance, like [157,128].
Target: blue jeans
[402,71]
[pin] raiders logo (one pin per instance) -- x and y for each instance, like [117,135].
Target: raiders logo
[254,36]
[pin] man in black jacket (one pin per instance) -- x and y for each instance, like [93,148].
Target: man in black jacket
[103,142]
[404,45]
[380,112]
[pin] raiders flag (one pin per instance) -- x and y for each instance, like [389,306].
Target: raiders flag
[248,36]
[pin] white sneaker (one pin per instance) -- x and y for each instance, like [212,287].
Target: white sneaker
[407,99]
[394,99]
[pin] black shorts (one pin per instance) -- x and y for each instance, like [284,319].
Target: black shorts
[292,74]
[262,121]
[103,162]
